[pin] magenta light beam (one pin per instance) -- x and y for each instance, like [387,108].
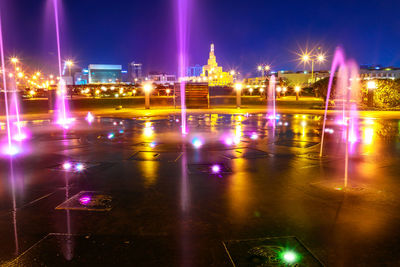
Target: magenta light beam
[62,119]
[3,68]
[183,9]
[338,60]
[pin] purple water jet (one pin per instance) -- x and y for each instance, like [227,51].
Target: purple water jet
[61,105]
[183,7]
[271,104]
[10,149]
[347,90]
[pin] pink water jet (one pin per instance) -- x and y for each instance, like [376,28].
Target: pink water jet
[348,91]
[183,7]
[271,101]
[10,149]
[61,105]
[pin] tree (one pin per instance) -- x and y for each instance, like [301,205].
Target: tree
[321,88]
[386,94]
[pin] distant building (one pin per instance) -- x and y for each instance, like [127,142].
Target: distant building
[194,71]
[81,77]
[379,72]
[102,73]
[214,73]
[162,79]
[135,72]
[301,78]
[125,76]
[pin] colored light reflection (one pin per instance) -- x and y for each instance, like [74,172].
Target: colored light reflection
[196,142]
[79,167]
[11,150]
[148,130]
[89,118]
[67,166]
[85,200]
[111,136]
[19,137]
[289,257]
[254,136]
[216,168]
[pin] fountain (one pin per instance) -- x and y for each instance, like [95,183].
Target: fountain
[61,105]
[271,104]
[182,12]
[10,149]
[347,88]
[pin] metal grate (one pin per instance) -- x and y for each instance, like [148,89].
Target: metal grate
[276,251]
[87,200]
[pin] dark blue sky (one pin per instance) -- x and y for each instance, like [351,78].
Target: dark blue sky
[245,33]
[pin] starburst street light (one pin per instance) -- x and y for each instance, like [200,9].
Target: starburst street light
[313,57]
[264,69]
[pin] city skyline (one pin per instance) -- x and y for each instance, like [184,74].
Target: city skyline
[147,33]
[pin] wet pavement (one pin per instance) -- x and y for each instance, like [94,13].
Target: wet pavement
[238,190]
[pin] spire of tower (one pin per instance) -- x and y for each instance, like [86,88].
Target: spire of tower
[212,47]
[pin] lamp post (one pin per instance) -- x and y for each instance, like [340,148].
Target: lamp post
[278,90]
[238,87]
[309,57]
[264,69]
[371,86]
[297,89]
[284,90]
[147,88]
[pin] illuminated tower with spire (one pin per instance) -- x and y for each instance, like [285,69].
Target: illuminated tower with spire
[214,73]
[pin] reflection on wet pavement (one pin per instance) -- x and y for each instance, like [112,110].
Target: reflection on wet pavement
[118,191]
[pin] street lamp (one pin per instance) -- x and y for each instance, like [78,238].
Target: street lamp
[284,90]
[297,89]
[264,69]
[309,57]
[371,86]
[278,90]
[147,88]
[168,91]
[238,88]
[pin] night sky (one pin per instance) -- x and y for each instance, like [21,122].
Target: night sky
[245,33]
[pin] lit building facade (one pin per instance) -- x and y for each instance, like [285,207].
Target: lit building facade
[135,72]
[194,71]
[214,73]
[162,79]
[378,72]
[102,73]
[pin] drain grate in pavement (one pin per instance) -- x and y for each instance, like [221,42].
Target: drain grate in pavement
[58,249]
[87,200]
[170,156]
[277,251]
[294,143]
[208,168]
[247,153]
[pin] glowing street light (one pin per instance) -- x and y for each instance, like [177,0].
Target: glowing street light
[264,69]
[297,89]
[147,87]
[14,60]
[278,90]
[306,57]
[168,91]
[238,87]
[371,85]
